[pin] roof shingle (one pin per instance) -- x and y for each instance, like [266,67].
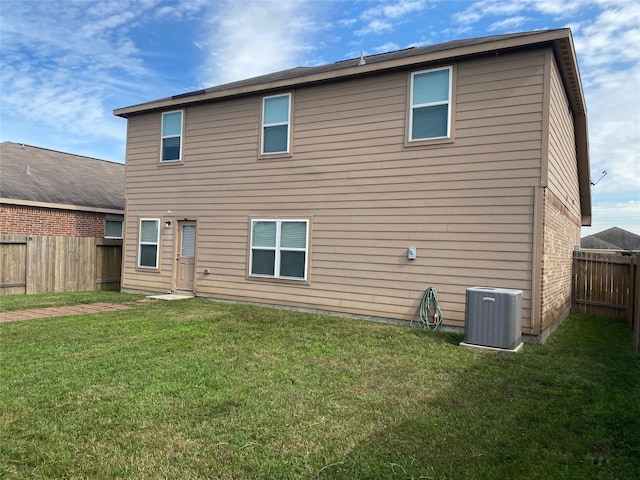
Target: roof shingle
[614,238]
[40,175]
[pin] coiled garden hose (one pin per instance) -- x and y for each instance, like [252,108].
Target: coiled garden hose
[427,316]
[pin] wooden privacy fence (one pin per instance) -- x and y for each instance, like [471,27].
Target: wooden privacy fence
[607,284]
[47,264]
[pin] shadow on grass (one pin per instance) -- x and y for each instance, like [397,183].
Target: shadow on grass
[447,336]
[568,409]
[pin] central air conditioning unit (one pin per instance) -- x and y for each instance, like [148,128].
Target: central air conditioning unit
[493,318]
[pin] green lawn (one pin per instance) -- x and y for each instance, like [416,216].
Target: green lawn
[21,302]
[197,389]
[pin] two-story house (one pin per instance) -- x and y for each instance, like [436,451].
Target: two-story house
[308,187]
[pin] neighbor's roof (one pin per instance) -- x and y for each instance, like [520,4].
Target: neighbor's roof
[36,176]
[612,239]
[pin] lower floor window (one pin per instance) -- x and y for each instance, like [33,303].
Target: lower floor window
[113,228]
[149,241]
[279,248]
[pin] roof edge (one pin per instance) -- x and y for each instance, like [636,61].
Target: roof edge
[584,169]
[60,206]
[26,145]
[508,42]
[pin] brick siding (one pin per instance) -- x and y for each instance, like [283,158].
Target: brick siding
[23,220]
[561,233]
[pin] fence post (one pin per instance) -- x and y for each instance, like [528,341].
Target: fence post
[635,273]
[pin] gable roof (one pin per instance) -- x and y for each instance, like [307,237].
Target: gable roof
[40,177]
[560,40]
[612,239]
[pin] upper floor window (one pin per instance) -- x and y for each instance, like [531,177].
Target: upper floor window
[149,241]
[276,118]
[279,249]
[430,114]
[171,136]
[112,228]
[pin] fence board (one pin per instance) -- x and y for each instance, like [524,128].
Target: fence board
[636,302]
[108,265]
[13,259]
[603,284]
[49,264]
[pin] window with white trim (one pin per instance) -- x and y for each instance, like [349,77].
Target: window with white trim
[276,119]
[430,112]
[171,136]
[149,243]
[279,249]
[112,228]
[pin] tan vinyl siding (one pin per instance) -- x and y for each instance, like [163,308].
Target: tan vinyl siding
[562,214]
[467,206]
[563,169]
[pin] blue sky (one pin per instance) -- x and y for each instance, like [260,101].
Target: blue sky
[66,65]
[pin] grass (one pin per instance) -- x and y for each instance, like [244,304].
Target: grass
[196,389]
[10,303]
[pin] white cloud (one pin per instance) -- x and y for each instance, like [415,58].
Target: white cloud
[485,8]
[250,39]
[610,72]
[559,8]
[385,16]
[63,67]
[625,215]
[182,9]
[395,10]
[614,132]
[510,23]
[613,37]
[387,47]
[348,22]
[375,26]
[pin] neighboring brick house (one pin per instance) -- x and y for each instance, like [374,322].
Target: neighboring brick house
[309,187]
[61,221]
[45,192]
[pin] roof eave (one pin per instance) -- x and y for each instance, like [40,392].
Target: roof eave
[568,64]
[61,206]
[584,173]
[358,70]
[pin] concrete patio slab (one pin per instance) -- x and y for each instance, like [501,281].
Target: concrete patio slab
[170,296]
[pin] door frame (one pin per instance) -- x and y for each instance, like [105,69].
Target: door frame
[178,255]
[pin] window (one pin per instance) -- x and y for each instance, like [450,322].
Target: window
[279,249]
[430,114]
[171,136]
[149,242]
[112,228]
[276,113]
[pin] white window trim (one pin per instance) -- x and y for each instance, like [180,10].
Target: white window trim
[278,249]
[114,220]
[157,243]
[163,137]
[277,124]
[430,104]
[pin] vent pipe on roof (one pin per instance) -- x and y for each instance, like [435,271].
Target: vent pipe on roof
[362,62]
